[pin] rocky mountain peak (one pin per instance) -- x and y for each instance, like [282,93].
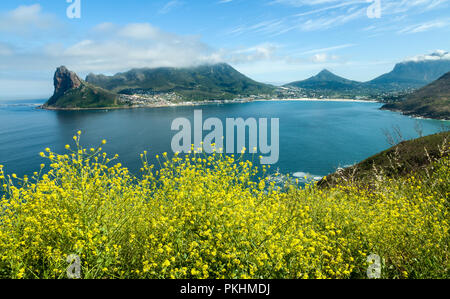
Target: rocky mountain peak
[65,80]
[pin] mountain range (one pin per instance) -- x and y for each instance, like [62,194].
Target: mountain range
[150,87]
[404,76]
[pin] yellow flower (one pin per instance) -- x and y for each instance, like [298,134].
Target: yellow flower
[220,217]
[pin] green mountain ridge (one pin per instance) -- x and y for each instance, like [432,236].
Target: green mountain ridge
[206,82]
[405,76]
[326,80]
[432,101]
[412,74]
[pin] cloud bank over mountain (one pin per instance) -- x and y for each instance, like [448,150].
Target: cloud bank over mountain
[437,55]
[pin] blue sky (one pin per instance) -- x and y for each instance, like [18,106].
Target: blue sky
[274,41]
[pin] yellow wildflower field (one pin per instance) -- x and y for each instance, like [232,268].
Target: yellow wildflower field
[216,216]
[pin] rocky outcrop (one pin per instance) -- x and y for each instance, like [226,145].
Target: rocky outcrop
[73,93]
[65,80]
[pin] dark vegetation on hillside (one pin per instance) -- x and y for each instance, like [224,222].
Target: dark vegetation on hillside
[406,158]
[72,93]
[207,82]
[432,101]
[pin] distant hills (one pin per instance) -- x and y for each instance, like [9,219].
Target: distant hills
[206,82]
[412,74]
[432,101]
[329,83]
[405,76]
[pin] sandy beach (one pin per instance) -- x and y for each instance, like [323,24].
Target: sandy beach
[317,100]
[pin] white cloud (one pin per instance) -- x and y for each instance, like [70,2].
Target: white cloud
[104,28]
[324,57]
[119,48]
[436,55]
[26,19]
[140,31]
[328,49]
[260,52]
[328,22]
[169,6]
[423,27]
[317,15]
[298,3]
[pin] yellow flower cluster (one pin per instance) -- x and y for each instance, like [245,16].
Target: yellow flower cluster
[215,216]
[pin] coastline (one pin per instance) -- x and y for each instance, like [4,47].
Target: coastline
[318,100]
[162,105]
[412,115]
[187,104]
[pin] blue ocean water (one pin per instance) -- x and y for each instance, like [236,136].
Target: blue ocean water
[315,137]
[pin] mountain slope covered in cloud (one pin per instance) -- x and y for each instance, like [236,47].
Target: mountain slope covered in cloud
[206,82]
[415,72]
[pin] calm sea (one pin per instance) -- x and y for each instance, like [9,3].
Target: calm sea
[315,137]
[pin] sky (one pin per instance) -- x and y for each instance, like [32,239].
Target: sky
[272,41]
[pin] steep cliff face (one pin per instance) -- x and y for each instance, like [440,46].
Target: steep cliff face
[72,92]
[65,80]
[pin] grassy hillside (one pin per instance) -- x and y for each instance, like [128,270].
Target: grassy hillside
[85,96]
[401,160]
[208,82]
[216,217]
[73,93]
[432,101]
